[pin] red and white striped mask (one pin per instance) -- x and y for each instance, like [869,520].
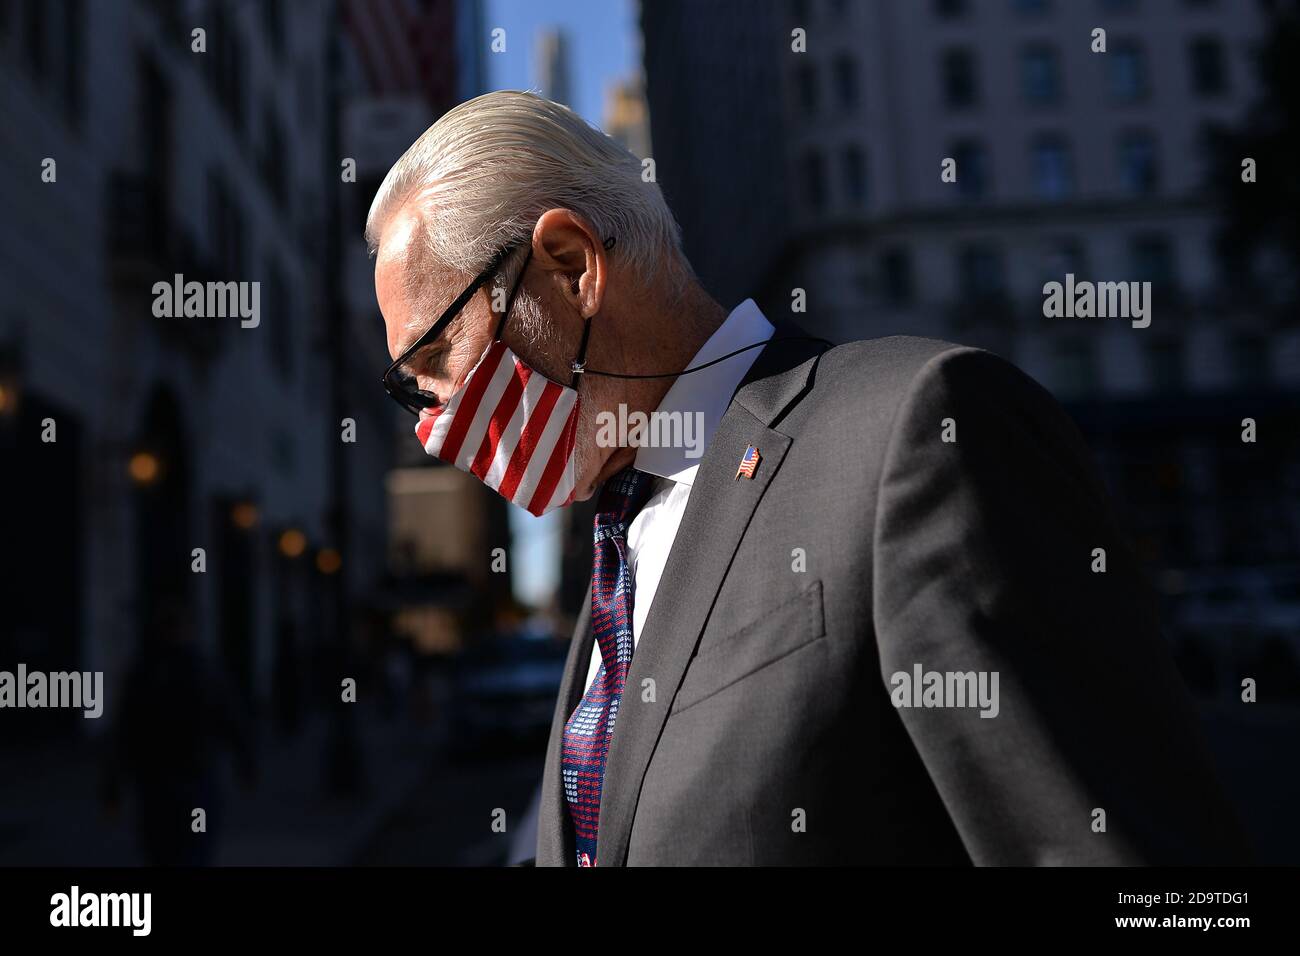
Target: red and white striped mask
[510,427]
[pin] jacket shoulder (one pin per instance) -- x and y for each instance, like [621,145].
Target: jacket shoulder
[898,364]
[884,370]
[863,388]
[894,356]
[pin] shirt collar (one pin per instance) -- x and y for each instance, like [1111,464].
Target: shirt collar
[707,392]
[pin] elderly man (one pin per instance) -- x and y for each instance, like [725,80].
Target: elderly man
[886,617]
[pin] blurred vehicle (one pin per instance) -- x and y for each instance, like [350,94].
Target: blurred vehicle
[1236,623]
[504,695]
[1264,598]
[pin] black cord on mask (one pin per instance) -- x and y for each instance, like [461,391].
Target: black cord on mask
[697,368]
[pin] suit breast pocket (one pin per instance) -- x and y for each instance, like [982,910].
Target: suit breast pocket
[771,633]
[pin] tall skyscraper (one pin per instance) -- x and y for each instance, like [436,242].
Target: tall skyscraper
[552,66]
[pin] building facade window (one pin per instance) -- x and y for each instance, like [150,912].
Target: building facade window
[1062,256]
[1040,76]
[972,169]
[273,19]
[226,66]
[306,94]
[844,71]
[1128,72]
[1139,167]
[154,134]
[814,180]
[71,80]
[53,42]
[279,318]
[805,82]
[36,41]
[853,166]
[959,79]
[897,282]
[981,276]
[1031,7]
[1051,167]
[1076,374]
[1209,67]
[1166,366]
[274,159]
[227,221]
[1233,274]
[1153,261]
[1250,361]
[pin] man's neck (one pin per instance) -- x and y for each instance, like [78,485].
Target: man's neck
[692,318]
[680,330]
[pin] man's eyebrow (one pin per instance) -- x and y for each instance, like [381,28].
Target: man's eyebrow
[404,344]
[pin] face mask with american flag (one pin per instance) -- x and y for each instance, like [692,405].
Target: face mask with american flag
[510,427]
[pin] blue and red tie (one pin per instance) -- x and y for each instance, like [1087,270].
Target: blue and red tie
[588,733]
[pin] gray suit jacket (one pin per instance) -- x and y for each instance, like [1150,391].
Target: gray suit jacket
[757,726]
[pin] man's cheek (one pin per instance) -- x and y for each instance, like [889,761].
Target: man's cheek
[454,379]
[461,363]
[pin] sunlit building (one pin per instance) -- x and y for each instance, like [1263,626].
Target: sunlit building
[803,145]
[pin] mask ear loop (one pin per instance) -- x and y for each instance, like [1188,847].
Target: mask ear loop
[579,365]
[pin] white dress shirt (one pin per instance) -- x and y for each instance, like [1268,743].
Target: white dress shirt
[708,391]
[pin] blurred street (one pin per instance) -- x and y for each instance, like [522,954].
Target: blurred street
[1255,751]
[433,810]
[445,818]
[53,816]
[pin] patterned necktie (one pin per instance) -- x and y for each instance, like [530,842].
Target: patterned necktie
[590,729]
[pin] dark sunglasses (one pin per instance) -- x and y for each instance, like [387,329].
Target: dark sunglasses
[399,381]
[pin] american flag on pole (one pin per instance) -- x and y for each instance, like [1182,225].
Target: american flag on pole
[512,429]
[748,463]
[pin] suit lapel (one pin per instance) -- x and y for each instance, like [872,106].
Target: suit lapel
[717,513]
[554,835]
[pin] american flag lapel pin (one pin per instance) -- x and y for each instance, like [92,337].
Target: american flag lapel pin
[749,463]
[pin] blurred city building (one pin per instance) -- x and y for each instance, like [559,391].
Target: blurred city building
[402,74]
[627,118]
[216,164]
[444,530]
[820,170]
[713,84]
[552,66]
[173,434]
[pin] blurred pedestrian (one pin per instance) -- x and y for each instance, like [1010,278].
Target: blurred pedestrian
[176,717]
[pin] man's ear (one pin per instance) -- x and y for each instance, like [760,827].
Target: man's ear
[568,248]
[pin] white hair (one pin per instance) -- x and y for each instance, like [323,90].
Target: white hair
[483,174]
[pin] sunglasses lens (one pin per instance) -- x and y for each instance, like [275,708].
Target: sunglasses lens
[404,387]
